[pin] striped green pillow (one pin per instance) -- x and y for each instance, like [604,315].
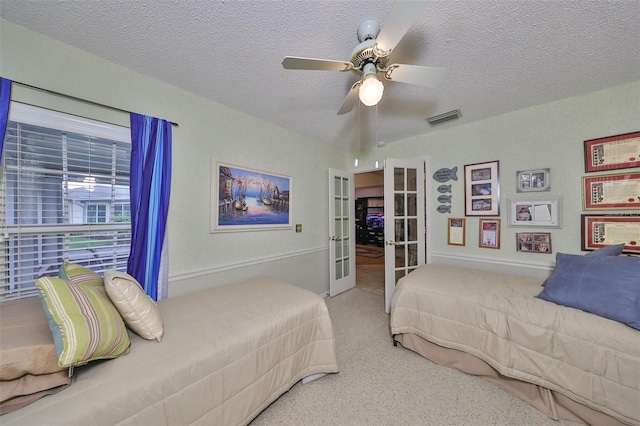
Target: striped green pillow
[84,323]
[78,274]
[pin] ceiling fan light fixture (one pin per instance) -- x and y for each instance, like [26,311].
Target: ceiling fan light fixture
[371,90]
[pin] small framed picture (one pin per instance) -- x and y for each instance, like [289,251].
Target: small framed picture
[456,231]
[532,180]
[535,211]
[533,242]
[489,233]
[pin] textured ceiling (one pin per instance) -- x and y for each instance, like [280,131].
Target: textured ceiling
[501,55]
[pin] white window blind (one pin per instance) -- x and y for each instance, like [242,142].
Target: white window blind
[64,196]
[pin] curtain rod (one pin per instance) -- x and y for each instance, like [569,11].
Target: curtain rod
[86,101]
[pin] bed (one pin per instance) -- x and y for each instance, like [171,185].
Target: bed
[568,363]
[225,355]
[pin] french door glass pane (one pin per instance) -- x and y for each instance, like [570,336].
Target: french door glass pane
[398,179]
[412,229]
[411,179]
[338,269]
[412,205]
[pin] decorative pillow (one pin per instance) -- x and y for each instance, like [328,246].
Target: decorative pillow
[138,310]
[78,275]
[84,323]
[608,286]
[613,250]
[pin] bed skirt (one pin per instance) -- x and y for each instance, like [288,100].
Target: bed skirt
[551,403]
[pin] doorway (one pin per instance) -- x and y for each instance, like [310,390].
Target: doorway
[369,232]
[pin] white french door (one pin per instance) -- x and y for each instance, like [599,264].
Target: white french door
[342,247]
[404,223]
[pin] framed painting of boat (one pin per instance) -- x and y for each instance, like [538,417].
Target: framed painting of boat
[246,199]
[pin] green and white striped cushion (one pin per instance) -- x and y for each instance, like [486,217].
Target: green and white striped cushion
[78,274]
[84,323]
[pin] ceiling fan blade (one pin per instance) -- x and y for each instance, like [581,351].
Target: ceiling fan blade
[416,74]
[351,99]
[294,63]
[402,15]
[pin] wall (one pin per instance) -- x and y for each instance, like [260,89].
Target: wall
[549,135]
[369,184]
[546,136]
[206,131]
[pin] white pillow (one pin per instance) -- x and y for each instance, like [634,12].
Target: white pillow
[138,310]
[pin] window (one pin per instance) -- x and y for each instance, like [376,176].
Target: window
[96,213]
[121,212]
[64,196]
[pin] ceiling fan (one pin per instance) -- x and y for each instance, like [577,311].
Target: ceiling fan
[371,57]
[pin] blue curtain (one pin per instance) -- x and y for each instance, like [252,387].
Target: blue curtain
[150,185]
[5,99]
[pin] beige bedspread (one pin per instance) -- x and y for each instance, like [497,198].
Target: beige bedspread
[226,354]
[495,317]
[28,362]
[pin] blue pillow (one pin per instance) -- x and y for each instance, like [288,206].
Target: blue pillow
[614,250]
[608,286]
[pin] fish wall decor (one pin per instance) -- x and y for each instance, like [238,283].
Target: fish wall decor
[444,188]
[445,198]
[444,209]
[444,174]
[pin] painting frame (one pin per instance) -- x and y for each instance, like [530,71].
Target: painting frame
[543,212]
[595,228]
[611,192]
[456,231]
[533,180]
[489,233]
[482,189]
[533,242]
[623,151]
[249,199]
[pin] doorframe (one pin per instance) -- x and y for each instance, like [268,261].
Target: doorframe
[360,171]
[427,203]
[427,193]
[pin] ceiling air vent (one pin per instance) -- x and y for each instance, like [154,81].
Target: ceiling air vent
[443,118]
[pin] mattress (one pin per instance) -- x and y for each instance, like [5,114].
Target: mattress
[495,317]
[226,354]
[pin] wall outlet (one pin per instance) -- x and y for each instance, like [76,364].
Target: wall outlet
[298,227]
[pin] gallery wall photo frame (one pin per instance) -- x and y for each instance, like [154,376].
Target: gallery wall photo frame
[535,211]
[456,231]
[482,189]
[611,192]
[533,180]
[598,231]
[489,233]
[612,152]
[248,199]
[533,242]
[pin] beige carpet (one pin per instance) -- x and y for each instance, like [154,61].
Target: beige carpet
[379,384]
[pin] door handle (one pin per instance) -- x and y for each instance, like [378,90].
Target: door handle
[391,243]
[334,238]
